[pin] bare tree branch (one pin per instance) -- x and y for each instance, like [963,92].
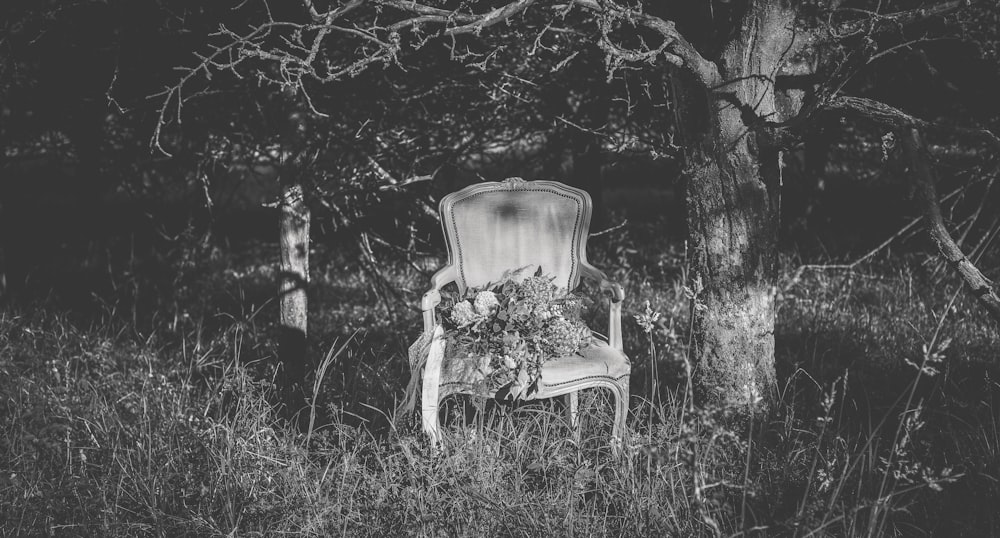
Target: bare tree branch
[916,153]
[433,13]
[896,119]
[333,14]
[908,128]
[869,24]
[787,133]
[493,17]
[874,22]
[681,52]
[301,50]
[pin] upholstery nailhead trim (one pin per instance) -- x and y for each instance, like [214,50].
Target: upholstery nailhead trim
[619,378]
[577,380]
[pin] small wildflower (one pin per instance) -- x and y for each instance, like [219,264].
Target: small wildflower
[647,319]
[824,480]
[695,290]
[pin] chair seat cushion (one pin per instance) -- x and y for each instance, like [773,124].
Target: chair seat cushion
[596,361]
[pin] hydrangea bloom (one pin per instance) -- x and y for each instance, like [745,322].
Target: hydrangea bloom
[463,315]
[486,301]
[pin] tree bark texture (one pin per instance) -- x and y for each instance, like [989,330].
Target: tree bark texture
[732,177]
[916,154]
[293,280]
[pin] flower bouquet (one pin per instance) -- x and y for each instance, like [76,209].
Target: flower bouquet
[518,325]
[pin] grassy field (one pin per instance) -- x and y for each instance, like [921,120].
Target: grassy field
[157,416]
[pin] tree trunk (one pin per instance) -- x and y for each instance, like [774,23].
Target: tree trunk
[731,224]
[293,279]
[732,215]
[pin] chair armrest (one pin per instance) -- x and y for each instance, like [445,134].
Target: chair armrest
[432,298]
[617,293]
[614,289]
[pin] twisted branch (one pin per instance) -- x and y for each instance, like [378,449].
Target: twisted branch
[982,289]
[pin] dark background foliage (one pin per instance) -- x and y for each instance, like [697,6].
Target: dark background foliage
[163,244]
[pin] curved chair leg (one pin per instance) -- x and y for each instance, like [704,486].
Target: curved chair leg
[621,414]
[573,409]
[573,412]
[619,389]
[429,396]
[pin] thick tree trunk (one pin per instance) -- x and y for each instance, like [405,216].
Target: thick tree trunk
[731,224]
[293,279]
[732,215]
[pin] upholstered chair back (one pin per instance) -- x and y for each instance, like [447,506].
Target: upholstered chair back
[492,228]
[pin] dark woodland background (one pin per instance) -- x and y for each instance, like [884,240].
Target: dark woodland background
[139,278]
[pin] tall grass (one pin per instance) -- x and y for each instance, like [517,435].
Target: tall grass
[883,427]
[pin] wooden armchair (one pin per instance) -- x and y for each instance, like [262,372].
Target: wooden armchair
[492,228]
